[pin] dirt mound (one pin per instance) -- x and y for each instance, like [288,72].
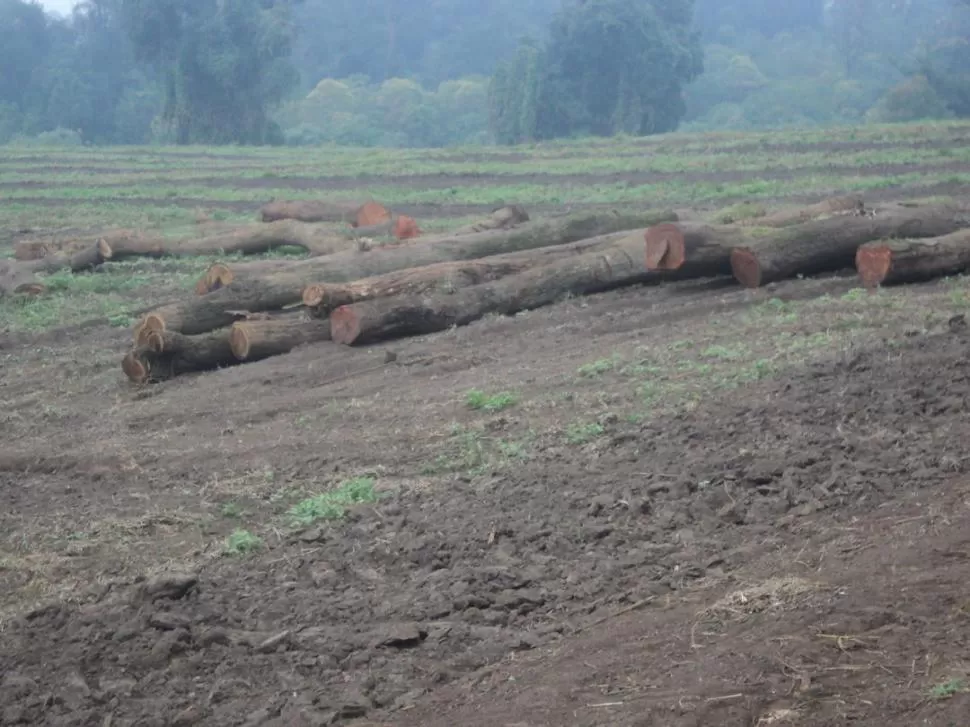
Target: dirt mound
[365,617]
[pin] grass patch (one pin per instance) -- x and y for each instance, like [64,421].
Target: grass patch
[598,367]
[949,688]
[333,505]
[242,542]
[581,433]
[480,401]
[474,453]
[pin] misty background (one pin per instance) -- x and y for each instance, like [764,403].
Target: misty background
[448,72]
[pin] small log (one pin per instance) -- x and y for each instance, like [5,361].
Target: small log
[18,277]
[889,262]
[167,355]
[832,206]
[280,289]
[355,215]
[830,244]
[256,340]
[219,275]
[381,319]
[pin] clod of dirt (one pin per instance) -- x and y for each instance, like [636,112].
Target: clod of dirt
[170,586]
[401,635]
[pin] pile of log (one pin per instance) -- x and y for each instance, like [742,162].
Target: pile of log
[508,263]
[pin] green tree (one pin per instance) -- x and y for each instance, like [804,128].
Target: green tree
[225,65]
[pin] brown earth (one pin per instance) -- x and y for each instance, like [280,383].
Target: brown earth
[790,551]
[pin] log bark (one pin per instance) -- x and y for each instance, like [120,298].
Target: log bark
[385,318]
[259,339]
[692,249]
[831,206]
[355,215]
[248,240]
[284,288]
[167,355]
[830,244]
[19,277]
[219,275]
[503,218]
[889,262]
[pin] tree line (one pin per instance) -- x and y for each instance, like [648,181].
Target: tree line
[442,72]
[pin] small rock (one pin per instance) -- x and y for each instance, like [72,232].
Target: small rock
[600,504]
[352,707]
[215,635]
[171,586]
[313,535]
[168,621]
[188,717]
[401,635]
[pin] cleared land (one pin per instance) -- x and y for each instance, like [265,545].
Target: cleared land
[677,504]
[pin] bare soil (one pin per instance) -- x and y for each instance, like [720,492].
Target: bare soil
[790,551]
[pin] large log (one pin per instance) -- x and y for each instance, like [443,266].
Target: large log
[830,244]
[384,318]
[166,355]
[888,262]
[832,206]
[219,275]
[503,218]
[248,240]
[355,215]
[19,277]
[258,339]
[284,288]
[692,249]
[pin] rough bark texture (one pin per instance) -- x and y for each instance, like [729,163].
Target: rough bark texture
[692,249]
[256,340]
[503,218]
[908,261]
[831,206]
[248,240]
[355,215]
[285,287]
[219,275]
[167,355]
[18,277]
[831,244]
[384,318]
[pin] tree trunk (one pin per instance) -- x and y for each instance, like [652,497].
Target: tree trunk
[831,206]
[831,244]
[285,287]
[692,249]
[248,240]
[384,318]
[259,339]
[399,227]
[167,355]
[908,261]
[355,215]
[18,277]
[219,275]
[503,218]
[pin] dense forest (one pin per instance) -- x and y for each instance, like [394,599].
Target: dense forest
[442,72]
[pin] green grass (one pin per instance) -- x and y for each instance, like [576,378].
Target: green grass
[581,433]
[949,688]
[479,400]
[242,542]
[333,504]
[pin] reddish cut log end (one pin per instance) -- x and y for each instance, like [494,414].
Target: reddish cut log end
[155,341]
[344,325]
[745,267]
[135,368]
[873,263]
[665,247]
[152,322]
[239,342]
[372,213]
[405,228]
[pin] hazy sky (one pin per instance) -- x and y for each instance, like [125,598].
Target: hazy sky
[60,6]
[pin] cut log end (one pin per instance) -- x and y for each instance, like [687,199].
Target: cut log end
[372,213]
[873,262]
[345,325]
[104,249]
[666,249]
[405,228]
[745,267]
[217,276]
[314,295]
[135,367]
[239,341]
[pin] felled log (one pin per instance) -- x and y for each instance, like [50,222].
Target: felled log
[692,249]
[248,240]
[258,339]
[831,206]
[355,215]
[166,355]
[19,277]
[400,227]
[888,262]
[322,298]
[285,287]
[385,318]
[219,275]
[501,219]
[830,244]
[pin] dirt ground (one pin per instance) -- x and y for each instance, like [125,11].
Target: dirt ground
[620,546]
